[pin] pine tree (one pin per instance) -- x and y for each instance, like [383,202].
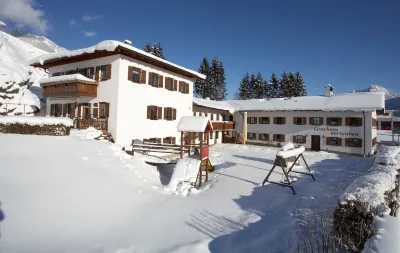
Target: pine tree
[259,86]
[201,87]
[252,87]
[300,87]
[148,48]
[221,91]
[291,85]
[284,85]
[274,87]
[244,91]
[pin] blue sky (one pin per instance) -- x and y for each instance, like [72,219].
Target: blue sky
[350,44]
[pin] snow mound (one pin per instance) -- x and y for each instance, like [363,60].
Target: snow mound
[35,121]
[65,79]
[386,237]
[184,177]
[88,133]
[19,86]
[369,189]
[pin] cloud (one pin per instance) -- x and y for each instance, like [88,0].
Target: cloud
[89,34]
[72,22]
[89,18]
[23,12]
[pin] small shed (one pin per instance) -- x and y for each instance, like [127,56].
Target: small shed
[202,126]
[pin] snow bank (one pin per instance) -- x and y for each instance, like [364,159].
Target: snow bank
[369,189]
[287,146]
[386,238]
[65,79]
[34,121]
[193,124]
[88,133]
[293,152]
[184,176]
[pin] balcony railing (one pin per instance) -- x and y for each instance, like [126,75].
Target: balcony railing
[76,89]
[223,125]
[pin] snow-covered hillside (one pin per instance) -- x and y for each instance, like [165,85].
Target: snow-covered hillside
[19,88]
[37,41]
[377,88]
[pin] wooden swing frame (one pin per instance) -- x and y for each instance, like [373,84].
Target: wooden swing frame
[282,162]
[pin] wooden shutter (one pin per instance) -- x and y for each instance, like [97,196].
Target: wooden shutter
[175,85]
[311,120]
[65,109]
[304,120]
[339,121]
[159,112]
[275,137]
[294,120]
[97,77]
[158,140]
[150,78]
[321,120]
[212,116]
[328,121]
[80,110]
[260,120]
[294,139]
[339,141]
[359,143]
[360,123]
[149,112]
[275,120]
[130,73]
[59,110]
[96,112]
[142,76]
[347,121]
[108,71]
[72,115]
[347,142]
[160,81]
[174,114]
[284,120]
[187,88]
[173,140]
[164,140]
[328,141]
[217,117]
[107,110]
[260,136]
[52,109]
[165,112]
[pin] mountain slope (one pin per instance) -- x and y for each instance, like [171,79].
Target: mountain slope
[40,42]
[377,88]
[19,88]
[393,104]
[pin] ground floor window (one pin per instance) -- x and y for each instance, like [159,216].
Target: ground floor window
[251,136]
[279,137]
[263,137]
[354,142]
[169,140]
[299,139]
[334,141]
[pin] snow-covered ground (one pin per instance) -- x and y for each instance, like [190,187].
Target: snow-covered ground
[75,194]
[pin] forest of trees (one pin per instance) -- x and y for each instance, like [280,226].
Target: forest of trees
[254,86]
[214,86]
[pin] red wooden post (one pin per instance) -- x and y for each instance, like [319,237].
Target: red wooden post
[201,155]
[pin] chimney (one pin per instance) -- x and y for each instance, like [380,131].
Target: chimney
[128,42]
[207,98]
[328,90]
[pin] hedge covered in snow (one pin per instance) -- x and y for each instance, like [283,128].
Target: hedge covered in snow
[369,195]
[35,125]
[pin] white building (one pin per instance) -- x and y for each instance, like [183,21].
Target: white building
[117,87]
[343,123]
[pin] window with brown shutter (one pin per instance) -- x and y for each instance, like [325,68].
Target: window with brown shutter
[154,112]
[212,116]
[279,137]
[160,81]
[181,87]
[52,109]
[217,116]
[168,113]
[174,114]
[300,139]
[175,85]
[263,137]
[251,136]
[279,120]
[134,74]
[186,88]
[65,110]
[252,120]
[334,141]
[169,83]
[353,142]
[108,76]
[299,120]
[143,76]
[334,121]
[97,76]
[159,112]
[353,121]
[153,79]
[316,121]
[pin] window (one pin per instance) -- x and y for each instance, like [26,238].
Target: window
[102,110]
[154,80]
[169,140]
[354,142]
[279,120]
[217,135]
[169,83]
[263,137]
[169,113]
[136,75]
[299,139]
[233,133]
[299,121]
[88,72]
[153,114]
[279,137]
[103,72]
[212,116]
[251,136]
[184,87]
[334,121]
[230,117]
[316,121]
[211,135]
[264,120]
[352,121]
[252,120]
[334,141]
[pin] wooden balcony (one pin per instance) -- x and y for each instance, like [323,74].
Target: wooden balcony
[223,125]
[73,89]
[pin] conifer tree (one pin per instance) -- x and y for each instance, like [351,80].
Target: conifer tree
[155,49]
[274,87]
[244,88]
[221,91]
[291,85]
[252,87]
[284,85]
[259,87]
[300,87]
[148,48]
[201,87]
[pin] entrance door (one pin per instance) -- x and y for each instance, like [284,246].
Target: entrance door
[315,142]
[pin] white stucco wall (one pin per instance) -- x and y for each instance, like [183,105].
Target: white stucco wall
[289,129]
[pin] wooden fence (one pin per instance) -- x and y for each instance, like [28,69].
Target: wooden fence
[100,124]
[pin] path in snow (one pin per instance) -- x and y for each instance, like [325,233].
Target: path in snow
[68,194]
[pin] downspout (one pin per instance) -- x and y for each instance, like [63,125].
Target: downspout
[364,142]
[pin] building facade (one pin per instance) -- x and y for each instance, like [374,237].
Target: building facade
[138,95]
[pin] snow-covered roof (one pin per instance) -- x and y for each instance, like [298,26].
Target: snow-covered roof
[110,46]
[194,124]
[65,79]
[362,101]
